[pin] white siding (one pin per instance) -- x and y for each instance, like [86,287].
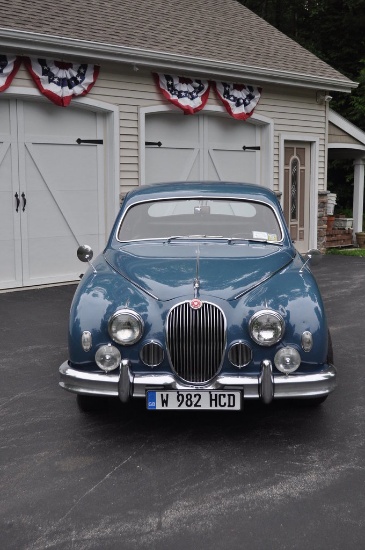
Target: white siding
[293,112]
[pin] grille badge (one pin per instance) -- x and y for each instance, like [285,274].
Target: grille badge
[196,303]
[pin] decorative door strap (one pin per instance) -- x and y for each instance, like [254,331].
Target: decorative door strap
[90,141]
[153,143]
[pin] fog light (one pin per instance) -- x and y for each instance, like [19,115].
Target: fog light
[108,358]
[287,360]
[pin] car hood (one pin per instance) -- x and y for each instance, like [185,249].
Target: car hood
[168,270]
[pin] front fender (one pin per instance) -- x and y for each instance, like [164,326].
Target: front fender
[296,296]
[97,297]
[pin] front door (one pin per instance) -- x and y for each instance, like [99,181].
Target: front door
[51,192]
[296,192]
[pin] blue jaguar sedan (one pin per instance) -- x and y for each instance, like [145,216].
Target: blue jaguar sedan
[199,301]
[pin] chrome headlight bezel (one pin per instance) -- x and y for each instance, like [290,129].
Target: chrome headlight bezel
[115,326]
[256,329]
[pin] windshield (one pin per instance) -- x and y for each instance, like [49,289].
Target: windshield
[220,218]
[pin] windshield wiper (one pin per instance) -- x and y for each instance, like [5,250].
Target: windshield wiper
[251,240]
[176,237]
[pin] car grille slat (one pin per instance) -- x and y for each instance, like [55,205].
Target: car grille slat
[196,341]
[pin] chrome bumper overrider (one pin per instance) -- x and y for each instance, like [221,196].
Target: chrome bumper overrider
[267,386]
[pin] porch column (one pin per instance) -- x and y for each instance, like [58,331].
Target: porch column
[358,200]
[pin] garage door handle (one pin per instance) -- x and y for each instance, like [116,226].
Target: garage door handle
[17,201]
[24,201]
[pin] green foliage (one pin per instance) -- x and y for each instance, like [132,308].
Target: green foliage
[334,31]
[358,252]
[331,29]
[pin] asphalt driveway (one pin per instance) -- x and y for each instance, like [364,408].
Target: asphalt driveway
[285,476]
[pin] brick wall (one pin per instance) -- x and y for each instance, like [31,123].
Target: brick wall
[322,220]
[329,237]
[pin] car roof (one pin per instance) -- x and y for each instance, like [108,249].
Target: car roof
[197,189]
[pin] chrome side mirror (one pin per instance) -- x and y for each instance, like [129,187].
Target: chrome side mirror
[85,254]
[314,256]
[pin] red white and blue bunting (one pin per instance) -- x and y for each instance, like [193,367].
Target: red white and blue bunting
[239,100]
[189,94]
[59,81]
[9,65]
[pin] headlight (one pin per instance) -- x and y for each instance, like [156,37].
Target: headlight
[125,327]
[108,357]
[287,360]
[266,327]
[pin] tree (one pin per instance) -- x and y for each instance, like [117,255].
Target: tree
[331,29]
[334,31]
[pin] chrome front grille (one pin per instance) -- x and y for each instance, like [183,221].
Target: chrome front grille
[196,340]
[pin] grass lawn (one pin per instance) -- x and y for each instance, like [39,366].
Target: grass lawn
[359,252]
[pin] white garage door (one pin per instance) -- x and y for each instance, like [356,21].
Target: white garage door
[51,191]
[201,147]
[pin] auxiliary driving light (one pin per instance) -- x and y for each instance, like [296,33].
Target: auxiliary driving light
[287,360]
[108,358]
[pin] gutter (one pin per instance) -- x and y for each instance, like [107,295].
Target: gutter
[28,43]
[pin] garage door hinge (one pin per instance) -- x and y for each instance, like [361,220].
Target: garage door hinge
[91,141]
[153,143]
[251,147]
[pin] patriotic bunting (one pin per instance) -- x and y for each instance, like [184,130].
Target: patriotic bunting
[9,65]
[188,94]
[59,81]
[191,95]
[239,100]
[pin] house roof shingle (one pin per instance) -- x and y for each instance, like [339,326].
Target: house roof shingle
[217,30]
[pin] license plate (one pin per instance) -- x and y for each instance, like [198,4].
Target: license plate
[194,400]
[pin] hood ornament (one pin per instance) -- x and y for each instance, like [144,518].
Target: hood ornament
[196,284]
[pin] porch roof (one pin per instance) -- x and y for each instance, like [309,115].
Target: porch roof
[345,140]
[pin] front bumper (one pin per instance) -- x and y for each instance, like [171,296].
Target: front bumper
[267,386]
